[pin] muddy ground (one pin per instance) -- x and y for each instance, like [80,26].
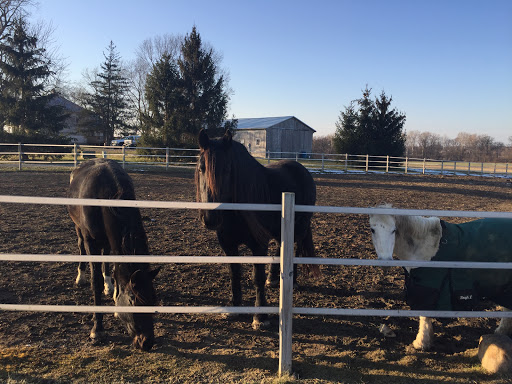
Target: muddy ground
[54,347]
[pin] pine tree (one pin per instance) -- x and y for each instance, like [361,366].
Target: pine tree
[109,102]
[370,127]
[162,124]
[388,125]
[25,101]
[203,87]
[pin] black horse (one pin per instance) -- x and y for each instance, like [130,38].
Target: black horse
[227,173]
[117,231]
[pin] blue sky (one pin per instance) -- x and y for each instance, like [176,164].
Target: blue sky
[447,64]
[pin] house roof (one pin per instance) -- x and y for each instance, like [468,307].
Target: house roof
[265,122]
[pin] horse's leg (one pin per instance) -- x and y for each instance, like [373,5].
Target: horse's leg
[425,334]
[235,274]
[307,249]
[258,278]
[275,270]
[108,287]
[80,277]
[505,327]
[273,274]
[97,331]
[231,249]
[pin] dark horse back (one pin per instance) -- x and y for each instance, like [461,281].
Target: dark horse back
[291,176]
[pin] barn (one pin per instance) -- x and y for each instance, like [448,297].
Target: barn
[284,136]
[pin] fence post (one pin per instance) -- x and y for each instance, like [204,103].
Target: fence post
[367,158]
[323,162]
[406,163]
[75,155]
[286,281]
[346,162]
[124,156]
[424,161]
[20,156]
[387,163]
[506,169]
[442,167]
[268,157]
[167,158]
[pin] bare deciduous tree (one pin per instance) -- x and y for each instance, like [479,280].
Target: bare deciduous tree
[10,10]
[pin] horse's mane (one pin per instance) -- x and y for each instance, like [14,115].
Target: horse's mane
[415,226]
[249,182]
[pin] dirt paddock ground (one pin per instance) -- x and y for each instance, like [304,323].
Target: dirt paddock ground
[54,347]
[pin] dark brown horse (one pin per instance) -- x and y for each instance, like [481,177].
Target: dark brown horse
[227,173]
[117,231]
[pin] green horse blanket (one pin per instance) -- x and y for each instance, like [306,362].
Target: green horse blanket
[486,240]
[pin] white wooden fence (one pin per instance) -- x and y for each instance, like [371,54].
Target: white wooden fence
[286,260]
[23,155]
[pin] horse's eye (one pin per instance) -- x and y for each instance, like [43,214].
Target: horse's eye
[373,230]
[394,232]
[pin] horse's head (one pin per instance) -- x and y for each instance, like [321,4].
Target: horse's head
[214,182]
[136,289]
[383,229]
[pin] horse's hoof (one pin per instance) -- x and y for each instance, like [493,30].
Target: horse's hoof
[80,280]
[257,324]
[232,316]
[272,283]
[108,290]
[386,331]
[419,346]
[97,335]
[108,287]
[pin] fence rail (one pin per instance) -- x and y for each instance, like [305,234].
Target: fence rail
[286,260]
[25,155]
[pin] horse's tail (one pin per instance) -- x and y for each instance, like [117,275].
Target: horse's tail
[306,248]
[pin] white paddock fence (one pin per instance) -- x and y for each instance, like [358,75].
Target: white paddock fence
[29,155]
[286,310]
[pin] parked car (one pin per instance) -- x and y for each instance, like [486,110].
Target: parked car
[117,142]
[130,141]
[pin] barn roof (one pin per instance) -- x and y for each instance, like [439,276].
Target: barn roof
[265,122]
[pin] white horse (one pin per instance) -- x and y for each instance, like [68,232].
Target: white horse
[418,238]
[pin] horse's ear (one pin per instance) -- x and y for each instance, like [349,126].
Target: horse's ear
[228,137]
[204,140]
[136,278]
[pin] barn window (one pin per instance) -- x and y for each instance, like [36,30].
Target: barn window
[257,141]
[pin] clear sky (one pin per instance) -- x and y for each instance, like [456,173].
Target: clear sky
[447,64]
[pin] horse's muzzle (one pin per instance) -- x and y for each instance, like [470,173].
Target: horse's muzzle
[211,220]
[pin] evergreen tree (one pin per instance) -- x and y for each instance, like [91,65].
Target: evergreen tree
[183,96]
[203,88]
[388,124]
[370,127]
[108,103]
[25,101]
[162,124]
